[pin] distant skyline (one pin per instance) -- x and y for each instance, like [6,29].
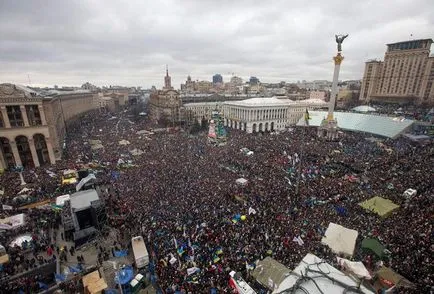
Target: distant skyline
[129,43]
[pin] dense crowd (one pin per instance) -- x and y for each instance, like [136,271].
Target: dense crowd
[181,195]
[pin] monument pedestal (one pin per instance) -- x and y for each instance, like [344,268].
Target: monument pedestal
[328,129]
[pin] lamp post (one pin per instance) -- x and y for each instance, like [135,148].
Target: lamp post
[19,169]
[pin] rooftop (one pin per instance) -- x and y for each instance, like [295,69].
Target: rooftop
[385,126]
[261,101]
[82,199]
[8,89]
[418,40]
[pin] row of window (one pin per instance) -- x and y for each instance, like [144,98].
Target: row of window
[15,116]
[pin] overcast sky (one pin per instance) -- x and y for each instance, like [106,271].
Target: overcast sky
[109,42]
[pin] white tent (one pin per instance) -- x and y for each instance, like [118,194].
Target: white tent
[317,275]
[340,239]
[356,268]
[12,222]
[60,200]
[136,152]
[241,181]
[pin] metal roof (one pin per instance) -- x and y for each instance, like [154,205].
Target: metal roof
[384,126]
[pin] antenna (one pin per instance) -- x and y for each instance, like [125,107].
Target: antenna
[28,77]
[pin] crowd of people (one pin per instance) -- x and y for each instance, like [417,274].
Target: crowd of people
[181,195]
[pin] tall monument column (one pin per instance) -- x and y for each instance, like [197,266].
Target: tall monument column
[329,125]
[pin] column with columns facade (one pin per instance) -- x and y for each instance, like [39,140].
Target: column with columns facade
[42,114]
[16,154]
[3,164]
[50,150]
[34,153]
[6,121]
[24,115]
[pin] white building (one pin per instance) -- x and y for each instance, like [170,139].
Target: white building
[201,110]
[266,114]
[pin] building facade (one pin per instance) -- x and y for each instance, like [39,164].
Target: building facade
[266,114]
[321,95]
[165,105]
[405,75]
[33,126]
[201,110]
[217,79]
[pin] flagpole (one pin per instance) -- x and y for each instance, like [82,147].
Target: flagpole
[297,185]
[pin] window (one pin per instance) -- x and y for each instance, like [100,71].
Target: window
[33,115]
[14,115]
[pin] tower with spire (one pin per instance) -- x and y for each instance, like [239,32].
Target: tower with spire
[167,80]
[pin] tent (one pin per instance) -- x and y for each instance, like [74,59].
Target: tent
[93,283]
[315,276]
[374,245]
[381,206]
[340,239]
[270,273]
[60,200]
[388,276]
[241,181]
[364,108]
[356,268]
[20,240]
[12,222]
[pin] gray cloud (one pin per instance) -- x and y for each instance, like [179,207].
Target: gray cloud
[129,42]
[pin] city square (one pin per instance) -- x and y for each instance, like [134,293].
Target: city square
[283,182]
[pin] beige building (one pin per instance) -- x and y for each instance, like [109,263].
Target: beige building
[321,95]
[405,75]
[203,86]
[165,105]
[32,125]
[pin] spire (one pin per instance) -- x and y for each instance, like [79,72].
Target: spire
[167,79]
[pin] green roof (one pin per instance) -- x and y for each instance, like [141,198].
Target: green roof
[381,206]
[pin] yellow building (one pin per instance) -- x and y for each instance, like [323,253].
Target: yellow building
[32,124]
[405,75]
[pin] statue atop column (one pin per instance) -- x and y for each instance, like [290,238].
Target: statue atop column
[340,39]
[329,125]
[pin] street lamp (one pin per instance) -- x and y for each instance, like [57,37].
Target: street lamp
[19,169]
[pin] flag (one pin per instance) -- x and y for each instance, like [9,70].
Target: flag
[43,286]
[74,269]
[180,251]
[59,277]
[192,270]
[121,253]
[216,259]
[176,243]
[250,266]
[219,251]
[298,240]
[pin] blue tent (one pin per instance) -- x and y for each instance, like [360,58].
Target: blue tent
[124,276]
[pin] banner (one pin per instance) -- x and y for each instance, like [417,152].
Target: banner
[7,207]
[84,181]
